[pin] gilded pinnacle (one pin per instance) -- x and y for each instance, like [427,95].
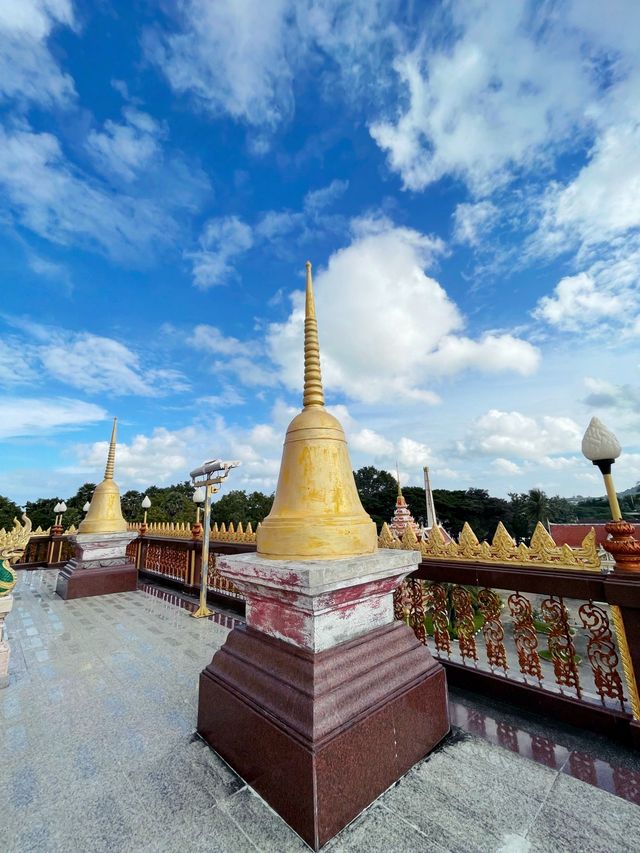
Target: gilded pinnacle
[105,513]
[111,456]
[313,393]
[316,512]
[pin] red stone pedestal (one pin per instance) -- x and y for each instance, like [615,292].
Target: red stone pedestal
[75,581]
[320,735]
[99,567]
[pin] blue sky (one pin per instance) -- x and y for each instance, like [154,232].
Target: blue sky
[464,177]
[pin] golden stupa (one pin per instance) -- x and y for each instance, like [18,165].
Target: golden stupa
[317,513]
[105,514]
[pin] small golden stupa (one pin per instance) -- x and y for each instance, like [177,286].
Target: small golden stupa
[317,513]
[105,514]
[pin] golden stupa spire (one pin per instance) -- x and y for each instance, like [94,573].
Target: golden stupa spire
[398,476]
[316,513]
[313,393]
[105,514]
[111,456]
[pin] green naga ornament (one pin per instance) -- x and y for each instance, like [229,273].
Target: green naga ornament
[12,546]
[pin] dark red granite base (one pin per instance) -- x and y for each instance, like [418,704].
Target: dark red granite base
[321,736]
[77,582]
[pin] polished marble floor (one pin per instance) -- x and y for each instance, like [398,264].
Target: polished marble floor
[99,753]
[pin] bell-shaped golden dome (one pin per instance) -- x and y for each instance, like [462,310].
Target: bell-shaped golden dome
[316,513]
[105,514]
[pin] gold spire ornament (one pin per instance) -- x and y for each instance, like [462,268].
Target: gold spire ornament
[105,514]
[316,513]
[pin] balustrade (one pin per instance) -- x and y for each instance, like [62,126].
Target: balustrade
[517,625]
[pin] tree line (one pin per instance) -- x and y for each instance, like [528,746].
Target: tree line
[378,490]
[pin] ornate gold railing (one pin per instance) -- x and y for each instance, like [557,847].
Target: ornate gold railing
[541,552]
[538,624]
[183,530]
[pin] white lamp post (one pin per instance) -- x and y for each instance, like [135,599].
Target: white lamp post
[602,448]
[146,503]
[207,480]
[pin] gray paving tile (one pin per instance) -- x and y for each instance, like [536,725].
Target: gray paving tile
[471,795]
[378,830]
[261,824]
[190,778]
[577,816]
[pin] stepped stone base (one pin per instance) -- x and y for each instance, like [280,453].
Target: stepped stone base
[75,581]
[320,735]
[99,567]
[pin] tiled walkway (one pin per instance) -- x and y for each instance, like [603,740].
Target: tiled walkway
[98,753]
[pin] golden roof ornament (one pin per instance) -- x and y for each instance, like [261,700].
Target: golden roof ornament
[105,514]
[316,513]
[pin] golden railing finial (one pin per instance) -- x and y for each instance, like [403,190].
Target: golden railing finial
[111,458]
[313,393]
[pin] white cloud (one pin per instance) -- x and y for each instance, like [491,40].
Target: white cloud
[92,363]
[512,434]
[232,62]
[28,69]
[229,60]
[95,364]
[48,195]
[126,149]
[577,303]
[371,443]
[602,200]
[211,339]
[608,395]
[25,416]
[387,330]
[222,240]
[484,101]
[16,367]
[315,201]
[471,222]
[226,239]
[244,360]
[165,456]
[506,466]
[413,453]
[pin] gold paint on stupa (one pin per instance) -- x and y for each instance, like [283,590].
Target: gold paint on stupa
[105,514]
[316,513]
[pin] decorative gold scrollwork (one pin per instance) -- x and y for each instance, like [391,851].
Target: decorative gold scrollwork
[464,622]
[602,652]
[436,600]
[561,648]
[490,606]
[524,635]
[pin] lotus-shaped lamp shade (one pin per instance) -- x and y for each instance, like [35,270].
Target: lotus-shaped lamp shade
[199,494]
[86,507]
[599,443]
[57,508]
[146,503]
[63,507]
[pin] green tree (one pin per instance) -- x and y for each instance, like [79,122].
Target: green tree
[378,490]
[537,507]
[519,522]
[237,505]
[130,503]
[41,512]
[8,511]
